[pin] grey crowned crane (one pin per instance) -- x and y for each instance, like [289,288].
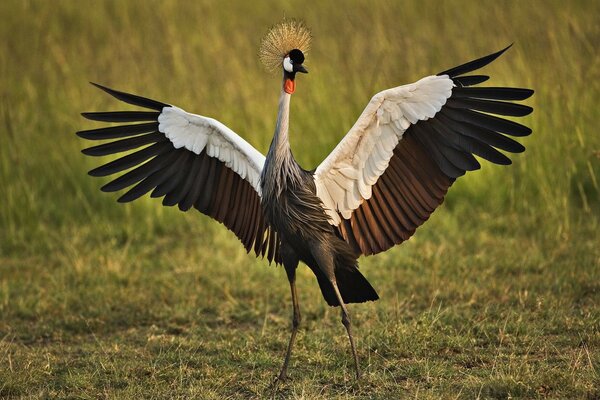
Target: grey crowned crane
[381,182]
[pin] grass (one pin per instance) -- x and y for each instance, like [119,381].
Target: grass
[497,296]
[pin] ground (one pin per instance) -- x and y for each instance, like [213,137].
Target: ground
[496,296]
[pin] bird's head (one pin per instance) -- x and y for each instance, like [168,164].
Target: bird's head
[283,47]
[292,63]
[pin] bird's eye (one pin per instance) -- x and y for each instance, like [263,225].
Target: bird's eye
[287,64]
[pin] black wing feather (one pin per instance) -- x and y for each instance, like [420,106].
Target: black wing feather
[470,80]
[473,65]
[155,178]
[139,173]
[472,146]
[490,106]
[121,116]
[190,190]
[133,99]
[124,145]
[493,93]
[488,121]
[171,185]
[130,160]
[483,135]
[424,135]
[184,186]
[115,132]
[461,159]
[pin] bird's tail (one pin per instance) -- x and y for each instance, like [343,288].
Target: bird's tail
[354,287]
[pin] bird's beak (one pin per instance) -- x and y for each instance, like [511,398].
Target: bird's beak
[300,68]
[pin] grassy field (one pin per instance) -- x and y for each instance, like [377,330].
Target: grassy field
[497,296]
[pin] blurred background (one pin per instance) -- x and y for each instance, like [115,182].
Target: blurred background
[496,296]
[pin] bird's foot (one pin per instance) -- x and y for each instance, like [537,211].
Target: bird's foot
[358,374]
[282,377]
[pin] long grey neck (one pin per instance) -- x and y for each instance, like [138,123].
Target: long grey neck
[281,169]
[280,145]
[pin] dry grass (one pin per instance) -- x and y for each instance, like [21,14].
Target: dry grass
[497,296]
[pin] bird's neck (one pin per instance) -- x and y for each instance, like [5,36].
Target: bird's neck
[280,168]
[280,145]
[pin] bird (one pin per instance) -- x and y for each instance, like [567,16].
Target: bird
[381,182]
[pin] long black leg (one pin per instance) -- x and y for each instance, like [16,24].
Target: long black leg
[290,263]
[326,263]
[347,325]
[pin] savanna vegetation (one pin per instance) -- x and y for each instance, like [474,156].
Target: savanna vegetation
[496,296]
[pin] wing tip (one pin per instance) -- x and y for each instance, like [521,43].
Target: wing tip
[94,173]
[506,48]
[106,188]
[529,92]
[82,135]
[101,87]
[89,151]
[504,160]
[132,98]
[519,149]
[126,198]
[474,64]
[524,132]
[88,115]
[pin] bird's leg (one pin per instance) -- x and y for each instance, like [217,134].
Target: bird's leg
[291,263]
[295,325]
[347,325]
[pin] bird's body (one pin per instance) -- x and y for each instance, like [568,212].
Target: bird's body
[293,209]
[381,182]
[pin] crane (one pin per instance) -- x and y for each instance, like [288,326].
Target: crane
[378,185]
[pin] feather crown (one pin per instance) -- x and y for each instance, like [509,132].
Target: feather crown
[282,38]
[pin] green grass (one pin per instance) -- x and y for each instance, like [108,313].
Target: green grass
[497,296]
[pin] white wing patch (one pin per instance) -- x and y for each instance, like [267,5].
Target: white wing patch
[195,133]
[344,179]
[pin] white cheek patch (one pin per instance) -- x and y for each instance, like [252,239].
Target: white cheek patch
[287,64]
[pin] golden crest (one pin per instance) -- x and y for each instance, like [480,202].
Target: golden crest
[282,38]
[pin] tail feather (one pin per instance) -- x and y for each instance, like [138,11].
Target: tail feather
[354,287]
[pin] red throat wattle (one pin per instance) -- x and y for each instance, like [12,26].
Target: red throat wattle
[289,86]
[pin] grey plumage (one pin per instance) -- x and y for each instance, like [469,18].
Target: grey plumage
[293,209]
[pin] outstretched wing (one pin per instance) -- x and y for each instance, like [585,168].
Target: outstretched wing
[189,160]
[394,167]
